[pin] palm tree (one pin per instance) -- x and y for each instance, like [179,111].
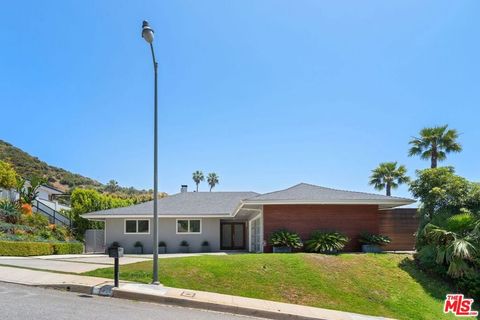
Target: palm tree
[388,176]
[434,144]
[198,177]
[455,247]
[212,180]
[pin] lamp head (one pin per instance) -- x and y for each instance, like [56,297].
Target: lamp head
[147,32]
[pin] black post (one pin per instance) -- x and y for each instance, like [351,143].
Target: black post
[116,272]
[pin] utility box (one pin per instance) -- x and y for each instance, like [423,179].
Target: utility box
[115,252]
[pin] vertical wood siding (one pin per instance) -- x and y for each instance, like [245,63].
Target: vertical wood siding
[400,225]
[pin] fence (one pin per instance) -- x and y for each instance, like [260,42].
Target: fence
[95,241]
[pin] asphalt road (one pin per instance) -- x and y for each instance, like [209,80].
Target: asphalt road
[22,302]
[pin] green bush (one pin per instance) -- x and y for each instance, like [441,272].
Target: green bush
[67,247]
[326,242]
[35,220]
[374,239]
[285,238]
[24,249]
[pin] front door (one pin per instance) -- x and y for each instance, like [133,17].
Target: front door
[232,236]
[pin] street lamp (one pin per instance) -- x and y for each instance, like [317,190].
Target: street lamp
[147,34]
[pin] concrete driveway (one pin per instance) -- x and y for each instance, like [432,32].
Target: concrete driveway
[67,263]
[79,263]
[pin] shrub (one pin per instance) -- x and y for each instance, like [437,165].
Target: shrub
[138,244]
[35,220]
[374,239]
[9,211]
[470,285]
[67,247]
[326,242]
[285,238]
[184,243]
[162,244]
[26,248]
[10,227]
[205,243]
[23,249]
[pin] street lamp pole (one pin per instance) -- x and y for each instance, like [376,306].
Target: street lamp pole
[147,34]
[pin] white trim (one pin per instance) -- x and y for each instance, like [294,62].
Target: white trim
[134,216]
[188,227]
[125,226]
[373,202]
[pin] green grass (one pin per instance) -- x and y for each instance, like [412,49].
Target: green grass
[387,285]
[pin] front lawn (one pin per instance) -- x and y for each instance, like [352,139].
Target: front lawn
[387,285]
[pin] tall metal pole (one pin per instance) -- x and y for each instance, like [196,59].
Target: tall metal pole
[155,177]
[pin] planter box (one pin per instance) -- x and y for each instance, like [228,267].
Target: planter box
[162,250]
[138,250]
[371,248]
[184,249]
[282,249]
[206,249]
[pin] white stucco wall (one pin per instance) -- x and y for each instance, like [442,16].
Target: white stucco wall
[115,231]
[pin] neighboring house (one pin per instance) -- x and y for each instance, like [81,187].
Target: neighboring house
[245,220]
[46,203]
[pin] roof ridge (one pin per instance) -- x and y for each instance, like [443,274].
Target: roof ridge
[263,194]
[350,191]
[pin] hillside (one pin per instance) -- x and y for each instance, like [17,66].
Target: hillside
[29,166]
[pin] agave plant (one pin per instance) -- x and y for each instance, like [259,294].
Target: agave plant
[9,211]
[285,238]
[457,243]
[326,242]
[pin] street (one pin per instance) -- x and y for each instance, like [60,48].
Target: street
[22,302]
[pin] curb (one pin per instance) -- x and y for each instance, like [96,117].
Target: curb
[123,294]
[102,290]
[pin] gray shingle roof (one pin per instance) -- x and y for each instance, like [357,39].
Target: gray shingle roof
[183,204]
[313,193]
[204,204]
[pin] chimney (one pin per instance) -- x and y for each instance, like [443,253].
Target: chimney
[183,188]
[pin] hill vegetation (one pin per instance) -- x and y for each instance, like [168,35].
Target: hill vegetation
[30,167]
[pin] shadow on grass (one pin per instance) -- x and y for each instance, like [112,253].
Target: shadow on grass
[434,285]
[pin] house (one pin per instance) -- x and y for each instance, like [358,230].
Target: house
[244,220]
[46,202]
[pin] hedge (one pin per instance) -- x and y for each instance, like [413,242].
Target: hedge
[67,248]
[24,249]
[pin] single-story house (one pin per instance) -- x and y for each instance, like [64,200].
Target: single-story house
[245,220]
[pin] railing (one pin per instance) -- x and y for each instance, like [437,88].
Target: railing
[53,216]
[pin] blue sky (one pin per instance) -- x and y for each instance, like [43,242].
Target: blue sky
[265,93]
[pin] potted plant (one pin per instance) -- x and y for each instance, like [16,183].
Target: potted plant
[162,247]
[372,243]
[205,246]
[138,247]
[283,241]
[184,247]
[329,242]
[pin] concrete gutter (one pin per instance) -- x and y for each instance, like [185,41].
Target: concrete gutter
[173,296]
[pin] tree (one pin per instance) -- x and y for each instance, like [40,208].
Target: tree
[440,190]
[112,186]
[88,200]
[198,177]
[388,176]
[8,176]
[212,180]
[434,144]
[28,190]
[455,242]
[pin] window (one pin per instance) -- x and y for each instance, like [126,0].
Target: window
[189,226]
[137,226]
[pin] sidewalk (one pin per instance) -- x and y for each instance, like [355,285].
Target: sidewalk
[174,296]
